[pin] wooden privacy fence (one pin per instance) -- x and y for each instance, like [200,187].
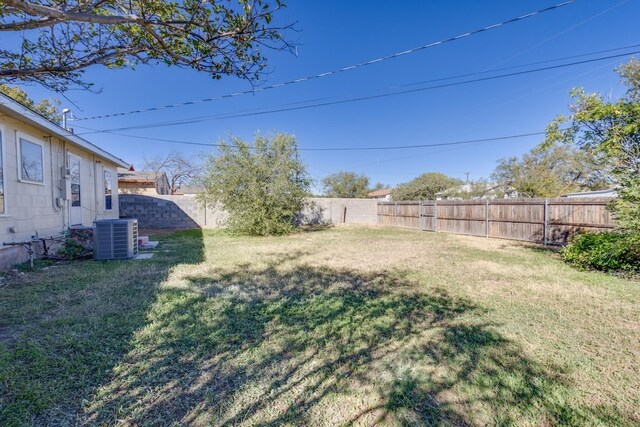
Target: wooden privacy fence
[548,221]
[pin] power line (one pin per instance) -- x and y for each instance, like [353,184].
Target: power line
[356,99]
[440,144]
[573,27]
[390,147]
[429,153]
[258,111]
[546,61]
[340,70]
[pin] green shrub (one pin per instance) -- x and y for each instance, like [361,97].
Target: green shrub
[71,248]
[262,186]
[606,251]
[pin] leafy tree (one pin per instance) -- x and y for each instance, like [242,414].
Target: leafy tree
[473,190]
[550,170]
[262,187]
[58,39]
[180,170]
[378,186]
[424,187]
[346,184]
[610,129]
[49,108]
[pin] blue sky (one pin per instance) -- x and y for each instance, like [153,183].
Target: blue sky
[334,34]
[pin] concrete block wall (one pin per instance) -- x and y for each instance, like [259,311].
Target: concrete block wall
[185,211]
[158,212]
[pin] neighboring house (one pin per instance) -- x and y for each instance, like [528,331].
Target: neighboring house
[148,183]
[383,195]
[50,180]
[609,192]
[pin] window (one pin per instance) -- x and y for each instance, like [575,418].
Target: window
[31,161]
[107,190]
[2,208]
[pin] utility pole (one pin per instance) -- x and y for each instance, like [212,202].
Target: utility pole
[297,164]
[467,174]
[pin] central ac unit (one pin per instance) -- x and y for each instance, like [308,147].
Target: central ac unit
[115,238]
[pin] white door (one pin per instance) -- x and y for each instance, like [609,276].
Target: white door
[75,211]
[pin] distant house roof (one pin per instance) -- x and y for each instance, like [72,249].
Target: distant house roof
[190,189]
[15,109]
[609,192]
[126,175]
[380,193]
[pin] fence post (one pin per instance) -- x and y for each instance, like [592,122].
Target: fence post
[486,218]
[420,217]
[546,221]
[435,215]
[395,214]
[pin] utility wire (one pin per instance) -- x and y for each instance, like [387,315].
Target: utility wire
[340,70]
[389,147]
[257,110]
[429,153]
[356,99]
[511,67]
[573,27]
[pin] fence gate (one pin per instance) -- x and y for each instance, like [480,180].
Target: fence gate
[428,216]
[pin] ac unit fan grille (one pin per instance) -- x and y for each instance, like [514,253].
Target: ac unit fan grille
[115,239]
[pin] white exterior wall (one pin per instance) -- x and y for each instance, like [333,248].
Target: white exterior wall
[32,208]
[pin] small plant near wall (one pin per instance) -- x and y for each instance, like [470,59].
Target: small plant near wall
[77,243]
[81,234]
[71,248]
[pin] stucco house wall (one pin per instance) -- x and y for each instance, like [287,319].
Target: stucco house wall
[44,207]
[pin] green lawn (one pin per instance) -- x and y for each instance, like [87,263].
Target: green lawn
[345,326]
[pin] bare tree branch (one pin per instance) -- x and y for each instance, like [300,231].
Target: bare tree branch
[78,66]
[180,170]
[35,9]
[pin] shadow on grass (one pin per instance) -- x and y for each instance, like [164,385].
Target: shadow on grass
[315,346]
[310,228]
[71,323]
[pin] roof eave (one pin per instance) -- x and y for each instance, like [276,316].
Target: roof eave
[34,119]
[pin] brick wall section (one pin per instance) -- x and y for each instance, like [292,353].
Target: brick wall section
[160,212]
[184,211]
